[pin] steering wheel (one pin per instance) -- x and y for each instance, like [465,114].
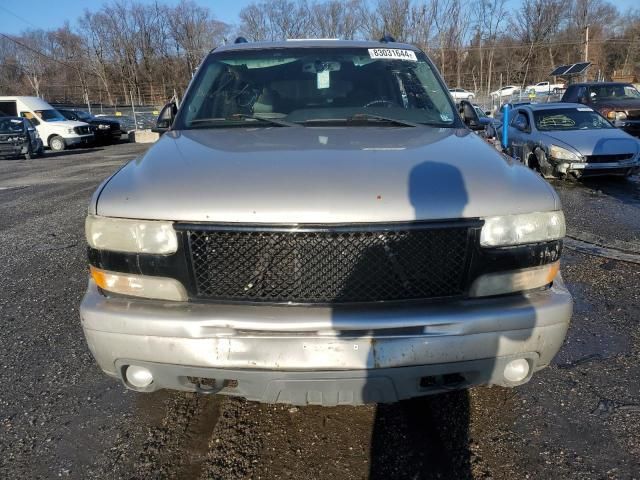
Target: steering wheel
[382,101]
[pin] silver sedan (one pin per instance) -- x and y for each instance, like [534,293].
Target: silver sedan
[565,139]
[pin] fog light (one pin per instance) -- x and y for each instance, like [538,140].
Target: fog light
[516,370]
[139,376]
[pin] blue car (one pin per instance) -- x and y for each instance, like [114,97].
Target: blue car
[570,140]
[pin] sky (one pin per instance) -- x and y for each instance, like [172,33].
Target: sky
[46,14]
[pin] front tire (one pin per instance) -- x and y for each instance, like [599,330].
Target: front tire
[57,143]
[543,166]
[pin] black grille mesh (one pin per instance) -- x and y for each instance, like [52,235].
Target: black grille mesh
[329,267]
[609,158]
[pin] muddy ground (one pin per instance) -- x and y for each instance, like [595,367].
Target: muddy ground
[60,417]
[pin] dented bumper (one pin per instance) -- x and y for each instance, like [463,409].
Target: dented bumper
[325,355]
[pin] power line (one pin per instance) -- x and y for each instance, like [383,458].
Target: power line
[48,57]
[18,16]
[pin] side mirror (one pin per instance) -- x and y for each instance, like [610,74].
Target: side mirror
[166,118]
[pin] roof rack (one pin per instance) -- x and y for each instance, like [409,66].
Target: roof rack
[386,38]
[240,40]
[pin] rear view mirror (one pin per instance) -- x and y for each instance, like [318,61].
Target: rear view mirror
[166,118]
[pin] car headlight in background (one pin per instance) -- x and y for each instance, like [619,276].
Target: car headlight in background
[133,236]
[616,115]
[524,228]
[560,153]
[102,126]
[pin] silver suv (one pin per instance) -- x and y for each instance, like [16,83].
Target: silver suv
[317,226]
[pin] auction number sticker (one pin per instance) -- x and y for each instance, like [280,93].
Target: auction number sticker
[392,54]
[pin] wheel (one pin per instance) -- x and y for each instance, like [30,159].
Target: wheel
[543,166]
[57,143]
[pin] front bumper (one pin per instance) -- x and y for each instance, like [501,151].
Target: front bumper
[79,140]
[580,169]
[12,149]
[322,355]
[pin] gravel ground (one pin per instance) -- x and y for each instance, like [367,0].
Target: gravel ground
[61,417]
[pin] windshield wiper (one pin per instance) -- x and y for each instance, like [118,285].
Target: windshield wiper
[220,121]
[363,116]
[273,121]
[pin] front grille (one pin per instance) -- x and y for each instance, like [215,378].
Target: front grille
[82,130]
[609,158]
[420,261]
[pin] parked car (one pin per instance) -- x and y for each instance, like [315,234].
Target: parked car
[619,102]
[493,129]
[54,129]
[18,137]
[316,225]
[105,130]
[461,94]
[506,91]
[561,139]
[545,87]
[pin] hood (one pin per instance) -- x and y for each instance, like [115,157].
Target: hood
[322,175]
[66,124]
[594,142]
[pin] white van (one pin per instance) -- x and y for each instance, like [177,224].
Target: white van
[56,131]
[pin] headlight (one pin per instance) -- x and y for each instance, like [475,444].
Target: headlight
[139,285]
[134,236]
[524,228]
[616,115]
[102,126]
[501,283]
[560,153]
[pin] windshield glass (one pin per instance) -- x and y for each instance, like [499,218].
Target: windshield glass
[613,92]
[11,125]
[569,119]
[50,115]
[306,85]
[83,116]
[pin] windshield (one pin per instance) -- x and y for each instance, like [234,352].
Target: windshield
[308,85]
[11,125]
[50,115]
[613,92]
[83,116]
[569,119]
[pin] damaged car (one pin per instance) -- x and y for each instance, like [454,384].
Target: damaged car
[317,225]
[570,140]
[19,138]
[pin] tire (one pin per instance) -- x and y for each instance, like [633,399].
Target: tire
[56,143]
[543,166]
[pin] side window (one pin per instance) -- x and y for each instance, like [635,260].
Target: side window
[580,95]
[31,117]
[520,121]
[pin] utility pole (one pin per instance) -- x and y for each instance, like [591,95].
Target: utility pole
[586,48]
